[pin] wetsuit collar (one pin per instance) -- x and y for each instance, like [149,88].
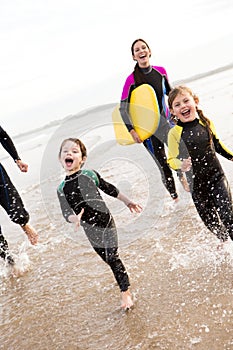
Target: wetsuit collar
[192,123]
[73,176]
[146,70]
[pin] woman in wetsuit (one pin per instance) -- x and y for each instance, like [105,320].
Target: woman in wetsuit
[192,147]
[155,76]
[10,199]
[82,204]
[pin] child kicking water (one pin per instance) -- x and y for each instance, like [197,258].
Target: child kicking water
[81,203]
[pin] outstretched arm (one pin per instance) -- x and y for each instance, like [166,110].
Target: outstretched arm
[133,207]
[8,144]
[111,190]
[220,146]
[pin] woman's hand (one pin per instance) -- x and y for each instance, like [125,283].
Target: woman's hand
[186,164]
[135,136]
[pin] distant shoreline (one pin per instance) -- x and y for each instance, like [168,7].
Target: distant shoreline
[177,82]
[204,74]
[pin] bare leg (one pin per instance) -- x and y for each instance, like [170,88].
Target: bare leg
[31,233]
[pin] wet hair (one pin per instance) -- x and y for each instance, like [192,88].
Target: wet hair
[78,142]
[184,89]
[139,77]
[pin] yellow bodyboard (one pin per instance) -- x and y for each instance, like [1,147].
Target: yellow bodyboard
[144,114]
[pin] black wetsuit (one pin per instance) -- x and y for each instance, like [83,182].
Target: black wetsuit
[81,190]
[210,190]
[10,199]
[157,78]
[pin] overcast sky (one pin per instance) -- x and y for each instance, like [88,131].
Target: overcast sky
[58,56]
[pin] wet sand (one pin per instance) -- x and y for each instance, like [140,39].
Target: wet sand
[181,283]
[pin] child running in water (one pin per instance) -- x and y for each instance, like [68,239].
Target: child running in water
[10,199]
[81,203]
[192,147]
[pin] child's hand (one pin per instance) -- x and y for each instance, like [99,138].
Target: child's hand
[76,219]
[186,164]
[134,208]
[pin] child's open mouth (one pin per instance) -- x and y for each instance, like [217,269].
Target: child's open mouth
[186,113]
[68,161]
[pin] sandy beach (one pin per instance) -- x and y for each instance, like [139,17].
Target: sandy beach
[68,300]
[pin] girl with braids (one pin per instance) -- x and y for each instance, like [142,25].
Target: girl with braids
[192,147]
[144,73]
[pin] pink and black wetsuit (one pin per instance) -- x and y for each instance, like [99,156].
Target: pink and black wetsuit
[157,78]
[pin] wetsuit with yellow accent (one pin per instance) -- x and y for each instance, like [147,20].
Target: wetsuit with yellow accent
[81,191]
[209,187]
[156,77]
[10,199]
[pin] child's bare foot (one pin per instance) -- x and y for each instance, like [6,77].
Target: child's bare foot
[127,301]
[31,233]
[184,182]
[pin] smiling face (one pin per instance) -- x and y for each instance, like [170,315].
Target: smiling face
[71,157]
[184,106]
[141,53]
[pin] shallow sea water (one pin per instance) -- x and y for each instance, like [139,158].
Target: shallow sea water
[68,299]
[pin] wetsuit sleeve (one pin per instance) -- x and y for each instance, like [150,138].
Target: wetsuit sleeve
[8,144]
[125,99]
[167,85]
[219,146]
[65,208]
[107,187]
[163,72]
[166,89]
[174,137]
